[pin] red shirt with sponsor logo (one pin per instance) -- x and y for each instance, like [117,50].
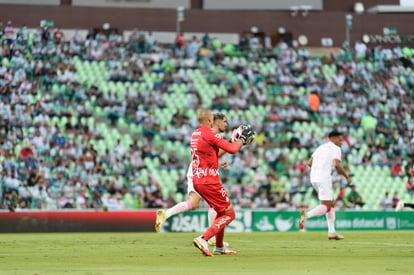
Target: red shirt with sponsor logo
[205,145]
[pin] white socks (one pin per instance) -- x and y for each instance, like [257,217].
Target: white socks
[317,211]
[178,208]
[330,218]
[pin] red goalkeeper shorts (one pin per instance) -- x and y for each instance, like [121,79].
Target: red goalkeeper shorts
[215,195]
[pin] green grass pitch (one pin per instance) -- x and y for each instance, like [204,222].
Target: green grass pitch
[368,252]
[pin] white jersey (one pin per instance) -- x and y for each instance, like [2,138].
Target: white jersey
[323,162]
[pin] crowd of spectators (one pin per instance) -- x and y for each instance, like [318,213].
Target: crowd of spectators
[49,166]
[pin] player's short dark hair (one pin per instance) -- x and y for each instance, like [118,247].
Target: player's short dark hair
[218,116]
[334,133]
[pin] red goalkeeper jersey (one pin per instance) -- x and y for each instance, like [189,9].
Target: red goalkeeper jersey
[205,145]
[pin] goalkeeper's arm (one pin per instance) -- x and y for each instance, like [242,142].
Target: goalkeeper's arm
[228,147]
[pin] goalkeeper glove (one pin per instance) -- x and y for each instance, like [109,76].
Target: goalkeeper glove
[247,135]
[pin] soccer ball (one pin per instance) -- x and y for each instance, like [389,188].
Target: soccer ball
[237,133]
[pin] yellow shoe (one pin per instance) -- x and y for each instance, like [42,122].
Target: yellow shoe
[302,221]
[335,236]
[161,217]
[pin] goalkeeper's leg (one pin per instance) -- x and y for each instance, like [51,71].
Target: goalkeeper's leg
[212,214]
[223,219]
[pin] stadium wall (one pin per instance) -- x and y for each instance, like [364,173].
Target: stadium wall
[316,25]
[77,221]
[195,221]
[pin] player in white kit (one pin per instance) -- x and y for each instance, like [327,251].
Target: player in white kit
[326,157]
[219,125]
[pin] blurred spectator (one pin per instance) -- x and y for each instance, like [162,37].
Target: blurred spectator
[261,201]
[341,199]
[26,151]
[369,124]
[283,203]
[58,35]
[395,199]
[205,54]
[360,50]
[246,200]
[276,187]
[409,185]
[314,105]
[39,196]
[179,44]
[11,200]
[302,204]
[96,201]
[355,198]
[396,169]
[34,177]
[386,202]
[27,156]
[193,48]
[409,168]
[9,33]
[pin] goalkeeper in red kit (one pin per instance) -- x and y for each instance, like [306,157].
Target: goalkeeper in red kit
[205,145]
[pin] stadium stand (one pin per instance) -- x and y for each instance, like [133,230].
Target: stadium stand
[99,122]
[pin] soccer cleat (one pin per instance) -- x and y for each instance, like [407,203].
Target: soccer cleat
[400,206]
[202,245]
[224,251]
[161,217]
[302,221]
[335,236]
[212,242]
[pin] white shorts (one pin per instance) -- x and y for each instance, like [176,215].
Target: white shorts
[190,186]
[324,190]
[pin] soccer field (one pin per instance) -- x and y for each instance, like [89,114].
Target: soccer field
[369,252]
